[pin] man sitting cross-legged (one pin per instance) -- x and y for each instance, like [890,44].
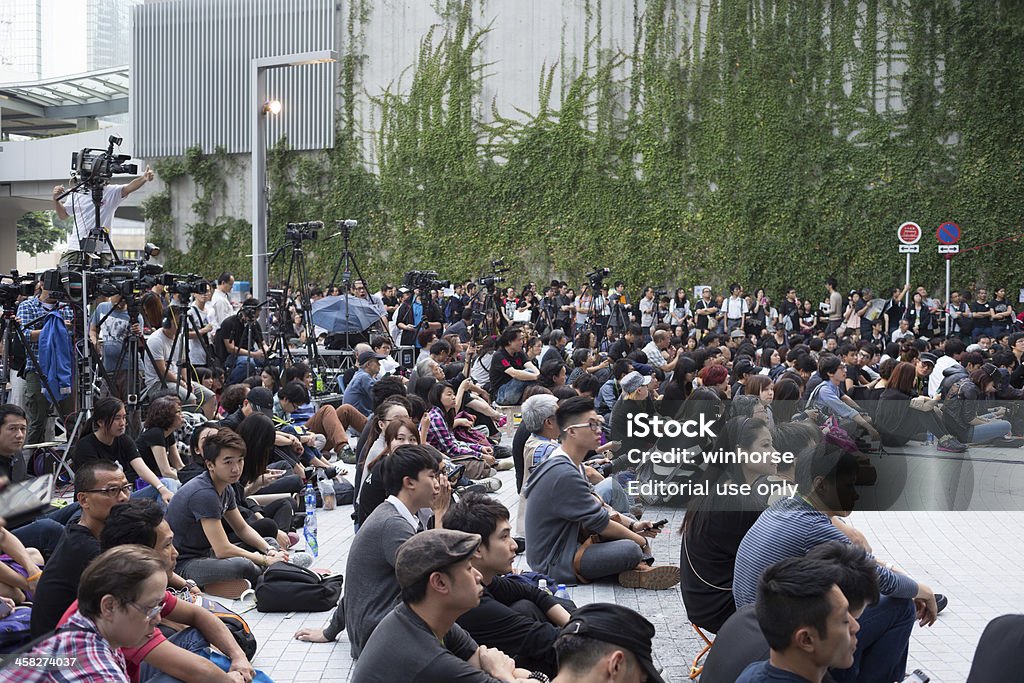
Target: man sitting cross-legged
[563,508]
[513,616]
[410,477]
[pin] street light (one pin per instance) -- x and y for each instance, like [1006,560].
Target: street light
[263,106]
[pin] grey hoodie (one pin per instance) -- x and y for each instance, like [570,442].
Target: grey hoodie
[560,506]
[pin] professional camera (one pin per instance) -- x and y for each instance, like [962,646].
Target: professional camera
[96,164]
[597,277]
[20,285]
[309,230]
[489,281]
[658,293]
[275,298]
[424,280]
[184,284]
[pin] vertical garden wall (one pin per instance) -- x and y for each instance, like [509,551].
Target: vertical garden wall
[767,141]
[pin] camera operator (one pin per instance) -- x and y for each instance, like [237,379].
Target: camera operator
[32,314]
[242,339]
[417,311]
[162,366]
[84,211]
[110,326]
[199,330]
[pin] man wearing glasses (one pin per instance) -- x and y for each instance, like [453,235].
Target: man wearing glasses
[99,486]
[563,508]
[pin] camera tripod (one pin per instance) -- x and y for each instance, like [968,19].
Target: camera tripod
[297,266]
[490,319]
[345,265]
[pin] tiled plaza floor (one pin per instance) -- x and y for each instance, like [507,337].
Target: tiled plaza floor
[972,557]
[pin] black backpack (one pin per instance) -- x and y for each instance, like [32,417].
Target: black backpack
[285,587]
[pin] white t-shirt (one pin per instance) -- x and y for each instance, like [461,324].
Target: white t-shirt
[735,307]
[81,208]
[218,309]
[160,346]
[647,307]
[196,352]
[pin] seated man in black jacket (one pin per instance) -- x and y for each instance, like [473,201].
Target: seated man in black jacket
[513,616]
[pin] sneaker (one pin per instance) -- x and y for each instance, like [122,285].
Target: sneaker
[504,465]
[231,589]
[657,578]
[940,602]
[472,488]
[347,455]
[490,484]
[949,444]
[501,421]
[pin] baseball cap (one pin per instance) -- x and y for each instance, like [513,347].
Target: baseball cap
[430,551]
[367,356]
[262,399]
[616,625]
[737,334]
[928,358]
[633,381]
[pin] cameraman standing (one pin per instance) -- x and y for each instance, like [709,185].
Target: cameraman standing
[32,314]
[82,208]
[111,325]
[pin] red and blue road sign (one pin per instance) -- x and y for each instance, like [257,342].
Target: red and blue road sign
[948,233]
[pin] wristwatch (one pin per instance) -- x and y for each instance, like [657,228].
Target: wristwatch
[539,676]
[190,584]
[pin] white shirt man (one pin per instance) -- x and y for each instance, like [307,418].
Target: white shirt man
[219,308]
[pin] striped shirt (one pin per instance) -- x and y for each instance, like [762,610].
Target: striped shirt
[441,437]
[791,528]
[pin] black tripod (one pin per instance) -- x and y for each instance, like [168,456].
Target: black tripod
[297,266]
[345,265]
[186,324]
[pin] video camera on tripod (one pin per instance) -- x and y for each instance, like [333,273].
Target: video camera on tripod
[93,165]
[424,280]
[309,230]
[20,285]
[597,277]
[498,269]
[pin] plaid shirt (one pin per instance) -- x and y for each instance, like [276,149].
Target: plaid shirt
[440,437]
[31,309]
[93,658]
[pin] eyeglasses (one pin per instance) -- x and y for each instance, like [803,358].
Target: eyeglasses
[112,491]
[150,612]
[594,425]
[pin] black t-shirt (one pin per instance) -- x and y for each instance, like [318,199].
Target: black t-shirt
[233,420]
[981,307]
[997,306]
[234,329]
[371,494]
[58,587]
[502,361]
[14,467]
[702,316]
[895,311]
[122,451]
[154,436]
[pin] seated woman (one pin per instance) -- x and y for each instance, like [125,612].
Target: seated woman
[477,457]
[902,415]
[156,444]
[107,441]
[400,430]
[120,594]
[268,512]
[964,412]
[715,522]
[197,513]
[761,387]
[391,408]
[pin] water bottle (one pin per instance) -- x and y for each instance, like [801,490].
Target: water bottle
[543,585]
[931,439]
[562,592]
[309,528]
[318,383]
[326,487]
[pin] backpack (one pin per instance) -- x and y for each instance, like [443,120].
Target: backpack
[238,626]
[285,587]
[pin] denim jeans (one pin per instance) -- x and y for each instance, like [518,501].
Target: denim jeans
[190,640]
[990,431]
[207,570]
[510,393]
[147,492]
[882,642]
[611,492]
[610,559]
[43,534]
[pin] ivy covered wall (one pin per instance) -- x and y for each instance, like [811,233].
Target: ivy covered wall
[764,141]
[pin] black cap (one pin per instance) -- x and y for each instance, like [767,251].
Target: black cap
[742,368]
[262,399]
[927,357]
[616,625]
[367,356]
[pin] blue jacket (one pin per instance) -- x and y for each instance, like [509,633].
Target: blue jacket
[56,356]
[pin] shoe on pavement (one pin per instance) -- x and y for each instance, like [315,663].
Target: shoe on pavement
[658,578]
[347,455]
[491,484]
[301,559]
[949,444]
[472,488]
[940,602]
[504,465]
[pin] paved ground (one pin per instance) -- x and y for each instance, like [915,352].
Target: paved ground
[973,557]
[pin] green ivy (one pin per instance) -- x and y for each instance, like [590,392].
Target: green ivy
[770,142]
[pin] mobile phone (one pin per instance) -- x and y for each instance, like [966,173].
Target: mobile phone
[25,498]
[456,474]
[659,524]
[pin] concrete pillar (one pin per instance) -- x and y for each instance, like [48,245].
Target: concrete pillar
[10,212]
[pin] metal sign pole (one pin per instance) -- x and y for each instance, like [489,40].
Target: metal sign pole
[906,288]
[949,322]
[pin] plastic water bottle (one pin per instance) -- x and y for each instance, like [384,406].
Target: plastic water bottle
[543,585]
[326,487]
[562,592]
[931,439]
[309,528]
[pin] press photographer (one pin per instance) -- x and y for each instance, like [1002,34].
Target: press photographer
[239,342]
[418,309]
[94,167]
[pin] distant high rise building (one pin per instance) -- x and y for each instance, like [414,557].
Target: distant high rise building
[21,45]
[108,35]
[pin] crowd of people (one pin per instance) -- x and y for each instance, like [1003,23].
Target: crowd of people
[193,480]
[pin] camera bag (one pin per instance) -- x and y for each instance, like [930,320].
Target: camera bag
[285,587]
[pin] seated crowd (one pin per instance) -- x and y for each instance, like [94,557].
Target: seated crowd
[211,492]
